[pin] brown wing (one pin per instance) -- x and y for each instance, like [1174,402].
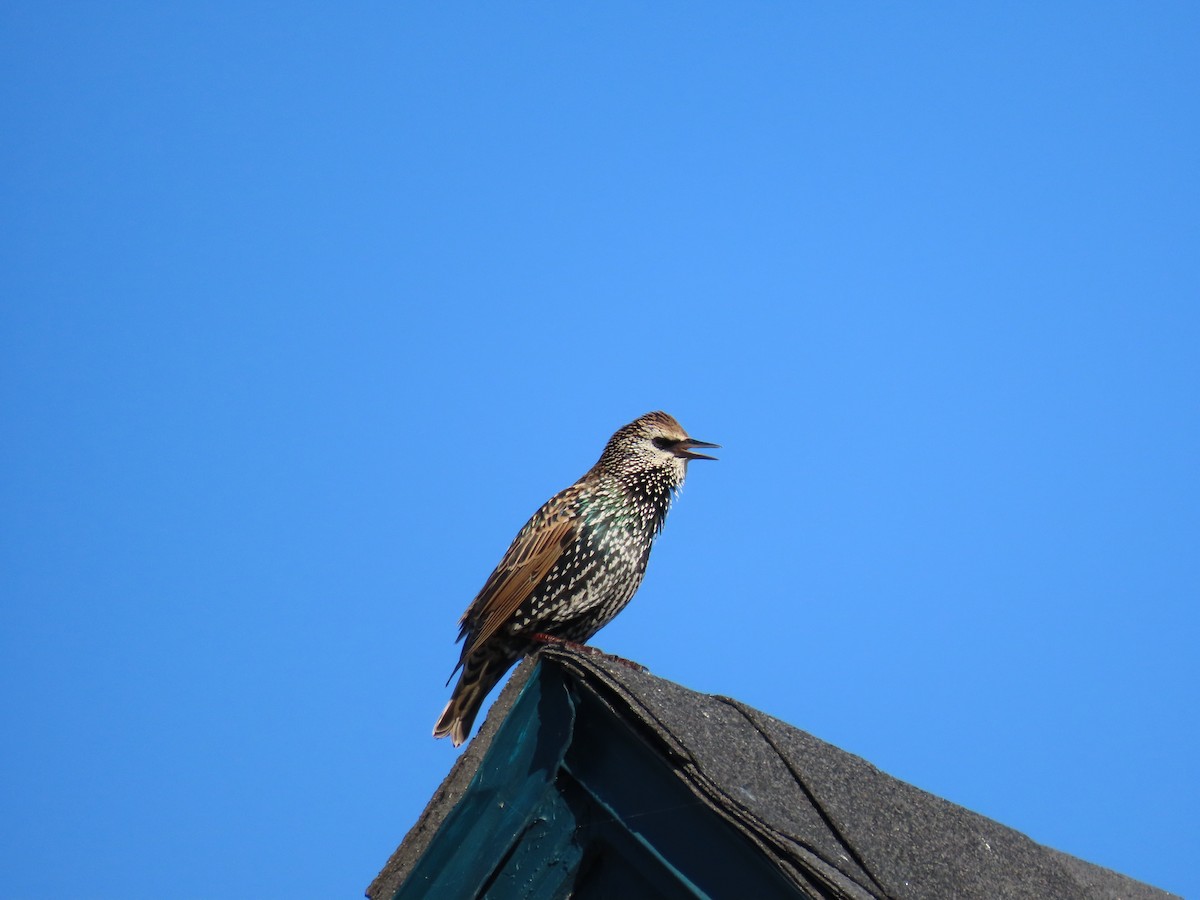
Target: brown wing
[531,556]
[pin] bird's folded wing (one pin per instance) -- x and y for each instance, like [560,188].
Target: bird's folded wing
[531,556]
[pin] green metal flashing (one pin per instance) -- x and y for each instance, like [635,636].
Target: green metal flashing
[509,799]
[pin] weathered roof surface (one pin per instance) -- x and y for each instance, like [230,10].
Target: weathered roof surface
[826,818]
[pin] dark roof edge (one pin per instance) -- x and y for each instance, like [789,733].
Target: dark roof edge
[450,791]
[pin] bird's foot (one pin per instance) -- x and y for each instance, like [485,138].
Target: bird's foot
[543,638]
[627,663]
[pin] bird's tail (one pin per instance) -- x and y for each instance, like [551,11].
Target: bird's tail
[480,674]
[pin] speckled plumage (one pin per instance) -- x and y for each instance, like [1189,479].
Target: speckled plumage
[577,562]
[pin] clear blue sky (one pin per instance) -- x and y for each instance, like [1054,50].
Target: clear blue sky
[306,307]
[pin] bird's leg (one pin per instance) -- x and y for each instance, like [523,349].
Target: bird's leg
[541,637]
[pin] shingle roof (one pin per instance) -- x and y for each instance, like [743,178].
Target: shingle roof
[830,822]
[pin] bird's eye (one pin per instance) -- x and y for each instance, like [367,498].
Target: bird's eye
[663,443]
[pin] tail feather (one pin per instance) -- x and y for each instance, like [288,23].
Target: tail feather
[479,676]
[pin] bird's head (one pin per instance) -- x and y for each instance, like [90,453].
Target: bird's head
[654,442]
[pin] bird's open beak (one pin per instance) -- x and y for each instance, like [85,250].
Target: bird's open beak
[684,449]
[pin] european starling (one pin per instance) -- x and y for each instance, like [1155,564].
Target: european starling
[575,564]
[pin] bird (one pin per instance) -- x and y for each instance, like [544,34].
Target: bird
[575,564]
